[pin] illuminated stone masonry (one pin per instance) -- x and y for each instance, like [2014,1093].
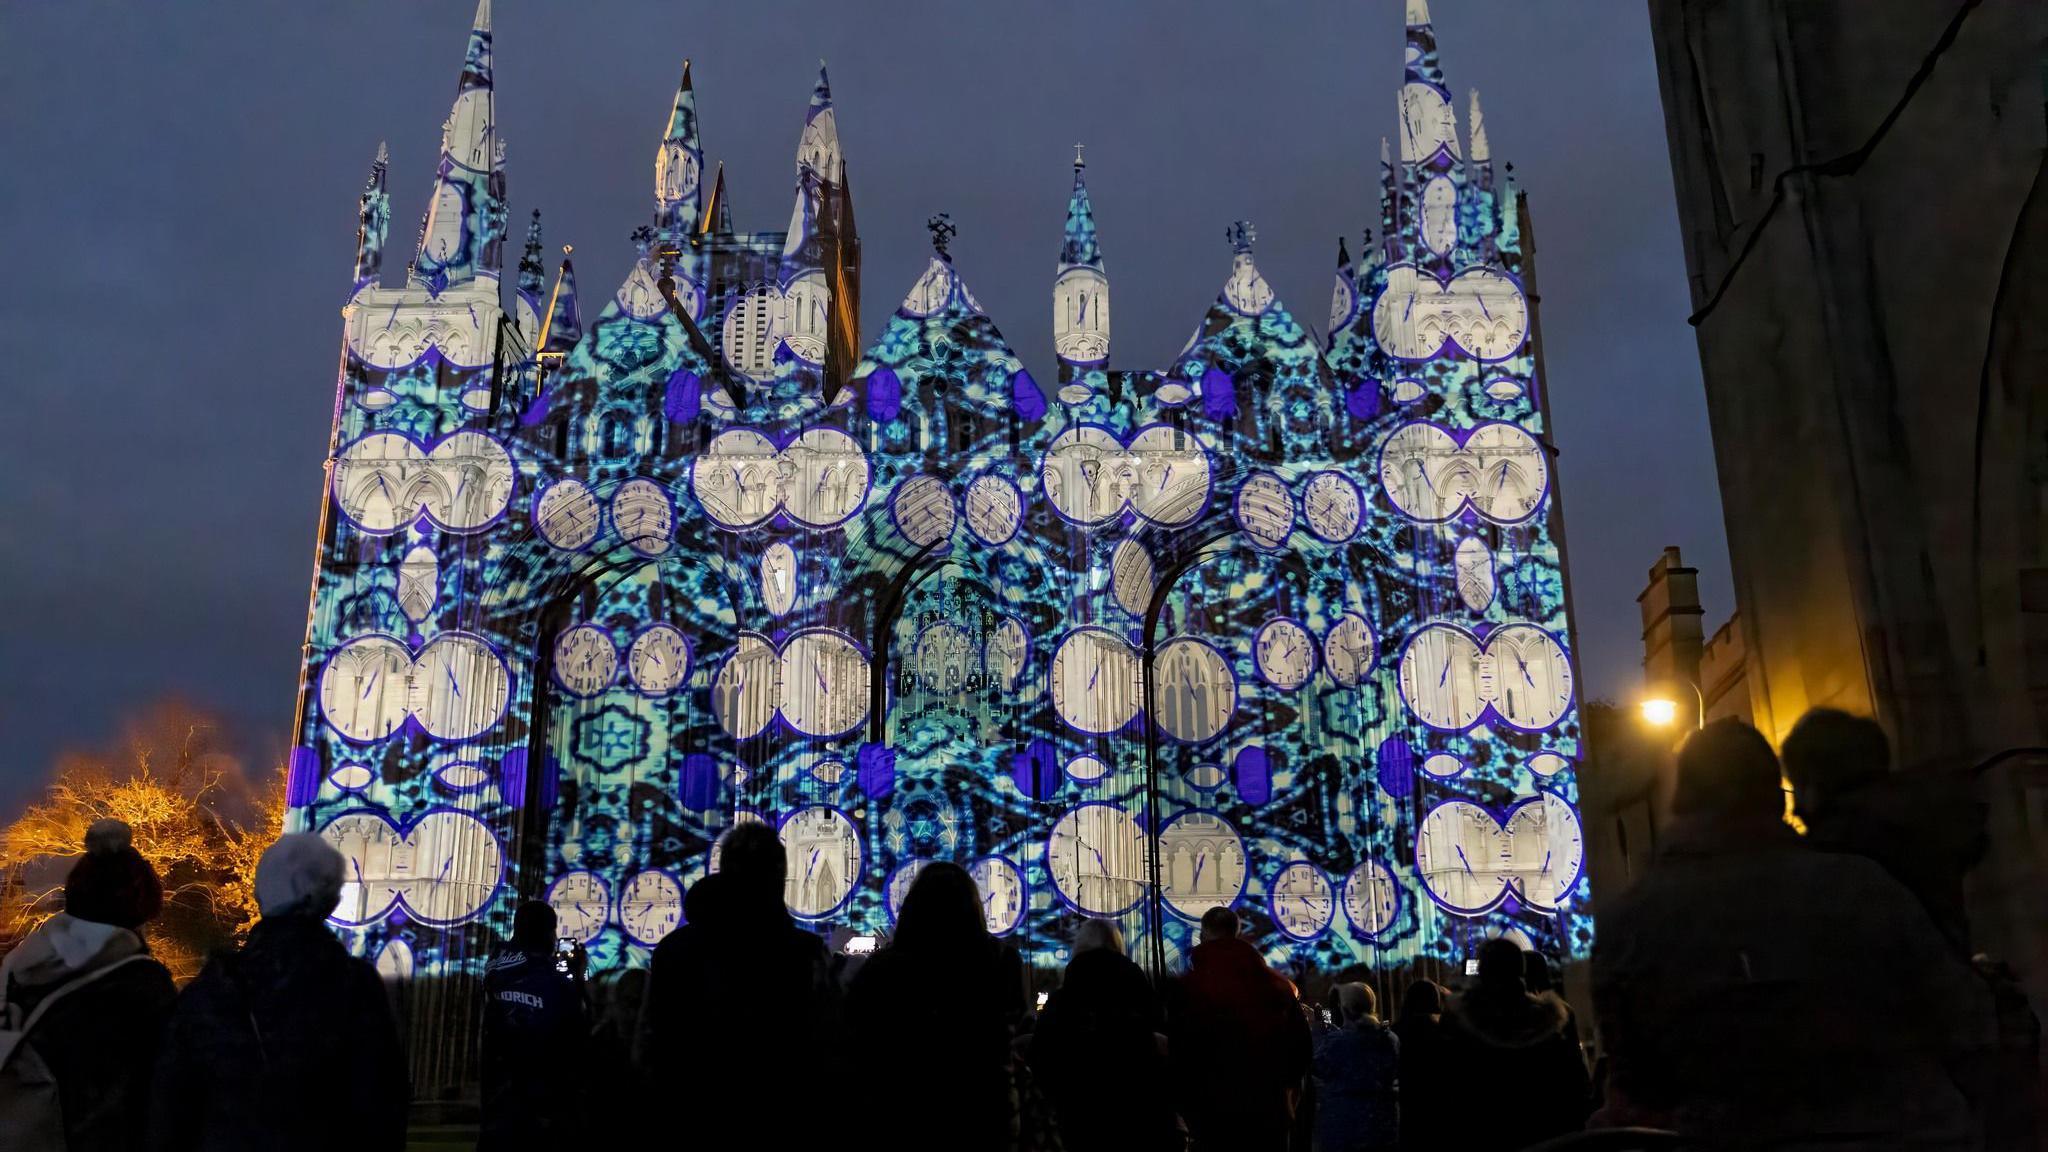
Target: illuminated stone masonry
[1281,625]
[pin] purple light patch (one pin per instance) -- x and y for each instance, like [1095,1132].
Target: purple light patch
[512,778]
[1396,761]
[1025,396]
[885,395]
[684,397]
[538,410]
[697,782]
[876,773]
[302,778]
[1252,772]
[1363,402]
[1036,769]
[1219,395]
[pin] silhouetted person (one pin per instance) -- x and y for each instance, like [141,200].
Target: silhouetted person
[609,1075]
[1357,1068]
[92,1003]
[1240,1043]
[1754,992]
[533,1039]
[1428,1084]
[931,1016]
[287,1042]
[1097,1053]
[1513,1049]
[1926,829]
[737,990]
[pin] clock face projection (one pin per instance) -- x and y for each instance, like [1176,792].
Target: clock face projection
[1285,654]
[442,869]
[1201,863]
[566,515]
[366,689]
[824,857]
[1480,312]
[827,477]
[1006,652]
[650,906]
[1499,471]
[1095,680]
[644,516]
[1002,893]
[1099,859]
[1265,510]
[1302,902]
[932,290]
[778,578]
[744,694]
[1545,850]
[640,296]
[1470,861]
[1080,316]
[1130,570]
[1087,769]
[1440,214]
[1428,122]
[1333,506]
[460,686]
[1091,477]
[659,660]
[582,901]
[1372,898]
[994,510]
[1246,290]
[1196,694]
[586,661]
[900,880]
[386,481]
[742,479]
[1350,650]
[1343,303]
[824,682]
[922,507]
[806,310]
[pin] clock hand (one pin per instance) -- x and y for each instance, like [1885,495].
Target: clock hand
[1462,860]
[1196,881]
[1441,680]
[813,865]
[1546,861]
[1410,310]
[373,683]
[1165,477]
[1480,299]
[451,681]
[819,672]
[1525,671]
[1092,677]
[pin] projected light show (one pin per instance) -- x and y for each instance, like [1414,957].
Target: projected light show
[1280,625]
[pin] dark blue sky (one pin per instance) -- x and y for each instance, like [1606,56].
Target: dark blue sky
[178,215]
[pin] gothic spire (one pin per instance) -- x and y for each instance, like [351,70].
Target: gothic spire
[564,325]
[1423,65]
[717,211]
[1388,198]
[818,149]
[1079,246]
[373,217]
[532,272]
[1080,291]
[460,235]
[679,166]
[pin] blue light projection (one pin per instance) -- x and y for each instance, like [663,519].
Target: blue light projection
[1280,626]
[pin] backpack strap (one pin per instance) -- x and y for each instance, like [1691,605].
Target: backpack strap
[10,1041]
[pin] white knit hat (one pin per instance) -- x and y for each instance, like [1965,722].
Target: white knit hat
[300,873]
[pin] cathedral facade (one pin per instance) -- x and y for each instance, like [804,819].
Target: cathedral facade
[1281,625]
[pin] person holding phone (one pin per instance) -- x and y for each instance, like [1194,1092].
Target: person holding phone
[534,1035]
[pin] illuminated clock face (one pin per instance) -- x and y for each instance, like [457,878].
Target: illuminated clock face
[1080,318]
[582,902]
[640,296]
[806,313]
[1458,854]
[586,661]
[1531,676]
[1509,475]
[1302,902]
[1095,681]
[827,482]
[824,683]
[1002,893]
[1285,654]
[1201,863]
[1333,506]
[650,906]
[1006,653]
[744,693]
[1343,303]
[824,857]
[994,509]
[443,239]
[1428,122]
[443,869]
[644,516]
[1440,678]
[932,290]
[1349,650]
[460,686]
[922,507]
[1408,317]
[1492,316]
[566,515]
[1131,577]
[899,884]
[1265,510]
[1440,214]
[1546,849]
[1099,859]
[659,660]
[1246,290]
[778,577]
[365,689]
[1195,690]
[1372,898]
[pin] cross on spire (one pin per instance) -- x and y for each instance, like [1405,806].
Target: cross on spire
[1078,162]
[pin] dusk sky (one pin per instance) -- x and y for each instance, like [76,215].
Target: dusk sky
[178,211]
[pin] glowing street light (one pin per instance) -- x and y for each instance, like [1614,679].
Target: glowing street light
[1659,711]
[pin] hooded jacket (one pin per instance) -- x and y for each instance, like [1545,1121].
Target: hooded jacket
[100,1040]
[1240,1047]
[1517,1051]
[1095,1053]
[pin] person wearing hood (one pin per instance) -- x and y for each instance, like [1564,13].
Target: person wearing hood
[1240,1043]
[533,1038]
[1516,1050]
[88,1002]
[1753,992]
[1357,1069]
[287,1042]
[1096,1051]
[736,988]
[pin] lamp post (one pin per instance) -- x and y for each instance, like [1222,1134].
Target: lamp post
[1661,711]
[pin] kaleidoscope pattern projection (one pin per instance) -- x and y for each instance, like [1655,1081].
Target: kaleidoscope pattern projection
[1280,626]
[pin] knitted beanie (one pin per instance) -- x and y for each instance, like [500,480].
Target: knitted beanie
[112,883]
[300,874]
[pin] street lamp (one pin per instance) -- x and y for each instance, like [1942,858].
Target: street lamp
[1661,711]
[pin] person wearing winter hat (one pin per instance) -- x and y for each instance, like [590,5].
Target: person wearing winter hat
[88,1003]
[269,1037]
